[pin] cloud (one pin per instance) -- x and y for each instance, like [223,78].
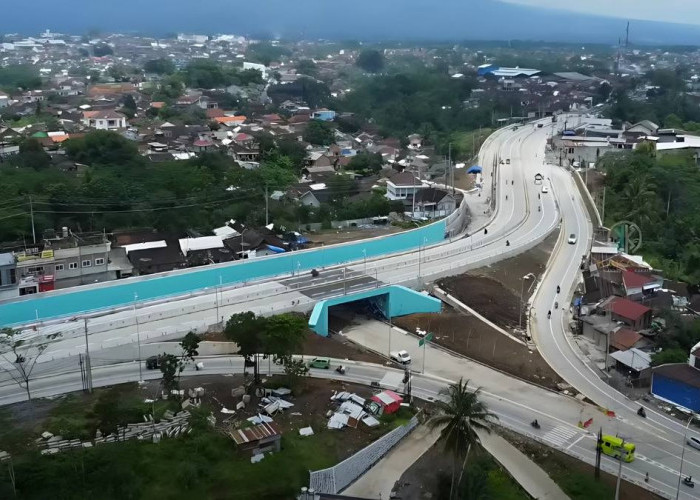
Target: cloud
[671,11]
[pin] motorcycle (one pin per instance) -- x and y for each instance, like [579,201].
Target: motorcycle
[642,412]
[549,314]
[535,424]
[340,369]
[556,305]
[688,481]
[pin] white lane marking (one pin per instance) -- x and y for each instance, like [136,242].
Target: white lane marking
[576,442]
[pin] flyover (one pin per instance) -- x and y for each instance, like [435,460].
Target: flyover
[391,301]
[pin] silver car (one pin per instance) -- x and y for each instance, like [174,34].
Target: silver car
[694,442]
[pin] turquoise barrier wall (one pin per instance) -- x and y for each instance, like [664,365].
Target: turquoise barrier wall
[399,301]
[71,302]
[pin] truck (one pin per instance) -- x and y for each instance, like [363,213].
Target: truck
[401,357]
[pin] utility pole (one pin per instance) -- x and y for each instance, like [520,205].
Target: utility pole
[88,363]
[138,337]
[619,471]
[602,216]
[598,451]
[267,207]
[31,211]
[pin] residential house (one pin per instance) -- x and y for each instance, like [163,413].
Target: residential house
[205,250]
[4,100]
[264,70]
[637,284]
[415,141]
[433,203]
[203,145]
[151,252]
[8,276]
[105,120]
[403,186]
[33,96]
[679,383]
[631,313]
[641,129]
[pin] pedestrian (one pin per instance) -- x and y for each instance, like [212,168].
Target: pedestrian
[646,478]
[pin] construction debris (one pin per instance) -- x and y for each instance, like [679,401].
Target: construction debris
[306,431]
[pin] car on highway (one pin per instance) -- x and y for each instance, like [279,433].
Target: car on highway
[507,161]
[323,363]
[545,189]
[401,357]
[572,239]
[153,362]
[693,442]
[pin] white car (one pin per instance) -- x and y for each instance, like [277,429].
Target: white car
[572,239]
[694,442]
[400,357]
[545,189]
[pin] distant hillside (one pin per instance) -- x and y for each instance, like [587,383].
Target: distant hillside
[335,19]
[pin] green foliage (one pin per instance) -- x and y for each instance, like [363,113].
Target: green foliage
[319,133]
[312,92]
[102,50]
[19,76]
[642,187]
[103,148]
[366,162]
[169,367]
[294,370]
[265,53]
[202,73]
[307,67]
[160,66]
[371,61]
[669,356]
[418,101]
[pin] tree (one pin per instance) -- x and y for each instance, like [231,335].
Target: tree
[102,50]
[20,355]
[460,417]
[366,162]
[307,67]
[669,356]
[172,366]
[246,330]
[319,133]
[295,370]
[161,66]
[284,334]
[371,61]
[169,369]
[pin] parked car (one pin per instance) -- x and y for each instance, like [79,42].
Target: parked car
[507,161]
[323,363]
[572,239]
[400,357]
[694,442]
[539,125]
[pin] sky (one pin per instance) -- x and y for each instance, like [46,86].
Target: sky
[670,11]
[453,20]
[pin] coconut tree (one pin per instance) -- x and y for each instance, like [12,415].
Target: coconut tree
[461,415]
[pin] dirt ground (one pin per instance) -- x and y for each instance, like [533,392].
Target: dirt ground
[332,236]
[338,347]
[559,465]
[472,338]
[420,480]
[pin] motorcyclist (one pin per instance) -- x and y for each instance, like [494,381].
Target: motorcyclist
[556,305]
[507,243]
[549,314]
[558,289]
[535,424]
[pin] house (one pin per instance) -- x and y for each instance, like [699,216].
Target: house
[150,252]
[638,284]
[623,339]
[264,71]
[105,120]
[679,383]
[4,100]
[415,141]
[635,363]
[402,186]
[641,129]
[205,250]
[433,203]
[230,121]
[630,313]
[8,276]
[261,438]
[202,145]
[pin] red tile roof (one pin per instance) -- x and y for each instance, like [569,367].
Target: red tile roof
[628,309]
[624,338]
[635,280]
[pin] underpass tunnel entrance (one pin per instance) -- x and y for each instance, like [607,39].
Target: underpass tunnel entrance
[384,302]
[341,316]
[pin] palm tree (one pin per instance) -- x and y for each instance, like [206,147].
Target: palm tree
[461,415]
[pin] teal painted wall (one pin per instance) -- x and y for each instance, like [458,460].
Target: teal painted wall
[400,301]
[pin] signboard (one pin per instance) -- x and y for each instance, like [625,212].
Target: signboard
[425,340]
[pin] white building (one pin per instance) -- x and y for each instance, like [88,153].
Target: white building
[264,70]
[105,120]
[402,186]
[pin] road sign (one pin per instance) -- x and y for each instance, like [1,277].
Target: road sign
[425,339]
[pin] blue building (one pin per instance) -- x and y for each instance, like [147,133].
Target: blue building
[679,383]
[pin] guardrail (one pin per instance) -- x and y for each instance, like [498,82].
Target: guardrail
[335,479]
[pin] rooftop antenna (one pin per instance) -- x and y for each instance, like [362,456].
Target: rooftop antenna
[627,36]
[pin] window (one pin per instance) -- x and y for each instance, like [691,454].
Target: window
[99,262]
[87,263]
[59,267]
[72,265]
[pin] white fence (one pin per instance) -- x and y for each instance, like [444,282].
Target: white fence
[337,478]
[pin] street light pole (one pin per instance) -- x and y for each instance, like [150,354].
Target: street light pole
[364,254]
[217,299]
[138,337]
[619,472]
[522,289]
[680,470]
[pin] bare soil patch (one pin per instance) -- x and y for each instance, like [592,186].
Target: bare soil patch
[332,236]
[473,338]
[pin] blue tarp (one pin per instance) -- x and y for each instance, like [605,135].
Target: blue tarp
[476,169]
[276,249]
